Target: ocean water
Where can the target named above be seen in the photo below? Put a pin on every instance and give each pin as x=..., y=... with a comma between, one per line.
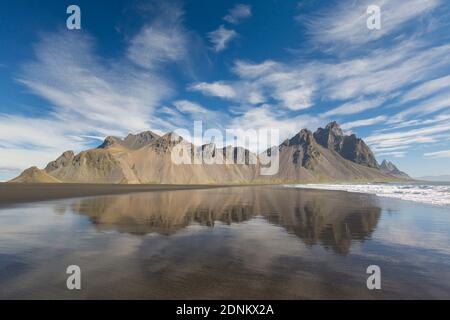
x=228, y=243
x=434, y=193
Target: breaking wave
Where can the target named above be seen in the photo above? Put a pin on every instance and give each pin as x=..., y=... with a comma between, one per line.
x=424, y=193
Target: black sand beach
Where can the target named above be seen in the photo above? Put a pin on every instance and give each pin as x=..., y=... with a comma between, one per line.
x=16, y=193
x=221, y=243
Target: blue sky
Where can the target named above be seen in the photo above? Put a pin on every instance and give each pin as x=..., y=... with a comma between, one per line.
x=160, y=65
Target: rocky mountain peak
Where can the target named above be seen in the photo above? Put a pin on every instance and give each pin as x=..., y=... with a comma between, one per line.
x=132, y=141
x=331, y=137
x=334, y=127
x=305, y=136
x=167, y=142
x=137, y=141
x=387, y=165
x=63, y=161
x=390, y=168
x=350, y=147
x=110, y=141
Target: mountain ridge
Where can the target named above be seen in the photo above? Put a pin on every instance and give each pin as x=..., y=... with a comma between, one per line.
x=146, y=158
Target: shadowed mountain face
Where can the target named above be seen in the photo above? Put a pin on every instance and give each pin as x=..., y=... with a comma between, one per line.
x=324, y=156
x=349, y=147
x=334, y=224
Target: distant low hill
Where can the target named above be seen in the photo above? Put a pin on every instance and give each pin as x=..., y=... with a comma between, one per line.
x=324, y=156
x=443, y=178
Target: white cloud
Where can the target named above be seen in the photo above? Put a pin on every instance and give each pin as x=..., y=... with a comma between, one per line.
x=267, y=80
x=295, y=99
x=363, y=122
x=266, y=116
x=238, y=13
x=347, y=24
x=221, y=37
x=378, y=150
x=153, y=46
x=355, y=107
x=251, y=71
x=395, y=154
x=426, y=89
x=163, y=40
x=215, y=89
x=424, y=135
x=84, y=90
x=434, y=104
x=185, y=106
x=438, y=154
x=384, y=71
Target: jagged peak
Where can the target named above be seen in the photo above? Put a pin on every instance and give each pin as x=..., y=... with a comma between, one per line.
x=61, y=161
x=131, y=141
x=333, y=125
x=147, y=133
x=388, y=165
x=139, y=140
x=304, y=136
x=109, y=141
x=68, y=154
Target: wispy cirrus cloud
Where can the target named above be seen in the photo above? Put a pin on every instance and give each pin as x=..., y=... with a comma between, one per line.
x=425, y=135
x=238, y=13
x=429, y=106
x=395, y=154
x=355, y=107
x=427, y=89
x=358, y=84
x=221, y=37
x=438, y=154
x=363, y=122
x=215, y=89
x=186, y=106
x=345, y=23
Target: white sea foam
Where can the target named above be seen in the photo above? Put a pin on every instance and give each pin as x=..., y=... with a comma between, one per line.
x=424, y=193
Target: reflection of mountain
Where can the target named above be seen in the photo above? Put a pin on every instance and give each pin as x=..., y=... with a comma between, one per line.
x=162, y=212
x=330, y=219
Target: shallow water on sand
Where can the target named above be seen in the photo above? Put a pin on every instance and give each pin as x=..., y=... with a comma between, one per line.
x=237, y=243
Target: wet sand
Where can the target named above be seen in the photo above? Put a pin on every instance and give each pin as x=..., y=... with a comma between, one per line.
x=229, y=243
x=21, y=193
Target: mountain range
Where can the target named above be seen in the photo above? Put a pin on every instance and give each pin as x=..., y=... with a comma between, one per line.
x=145, y=158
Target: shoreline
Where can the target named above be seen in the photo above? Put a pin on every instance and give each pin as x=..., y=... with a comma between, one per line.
x=413, y=193
x=12, y=193
x=18, y=193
